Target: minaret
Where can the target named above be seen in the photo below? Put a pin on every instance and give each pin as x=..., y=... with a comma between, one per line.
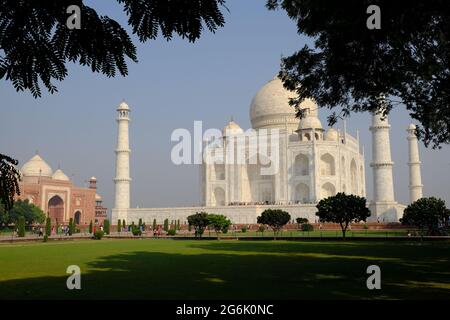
x=415, y=179
x=384, y=208
x=122, y=179
x=381, y=160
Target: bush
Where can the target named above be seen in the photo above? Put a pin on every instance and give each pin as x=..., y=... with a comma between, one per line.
x=244, y=229
x=91, y=226
x=45, y=238
x=172, y=232
x=71, y=226
x=106, y=226
x=48, y=226
x=166, y=225
x=365, y=226
x=98, y=235
x=136, y=232
x=21, y=227
x=261, y=228
x=307, y=227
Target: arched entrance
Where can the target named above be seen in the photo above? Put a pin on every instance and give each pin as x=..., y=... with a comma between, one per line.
x=56, y=209
x=77, y=217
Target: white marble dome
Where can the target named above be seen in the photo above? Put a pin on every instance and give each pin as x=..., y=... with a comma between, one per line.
x=60, y=175
x=36, y=167
x=310, y=122
x=331, y=135
x=270, y=107
x=232, y=128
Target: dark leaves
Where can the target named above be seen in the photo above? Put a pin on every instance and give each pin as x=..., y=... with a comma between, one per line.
x=9, y=185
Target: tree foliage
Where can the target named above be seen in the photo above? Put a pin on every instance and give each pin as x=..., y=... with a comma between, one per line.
x=274, y=218
x=428, y=214
x=9, y=181
x=199, y=221
x=219, y=223
x=352, y=68
x=37, y=45
x=22, y=208
x=343, y=209
x=21, y=227
x=106, y=226
x=48, y=227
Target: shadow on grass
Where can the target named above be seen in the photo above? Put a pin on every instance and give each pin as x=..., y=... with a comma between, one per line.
x=272, y=270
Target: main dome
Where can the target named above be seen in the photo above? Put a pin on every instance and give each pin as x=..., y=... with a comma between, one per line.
x=270, y=107
x=36, y=167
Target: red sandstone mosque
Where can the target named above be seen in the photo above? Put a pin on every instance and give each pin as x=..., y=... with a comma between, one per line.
x=57, y=196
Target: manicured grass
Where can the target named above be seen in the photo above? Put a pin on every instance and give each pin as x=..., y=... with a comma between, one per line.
x=177, y=269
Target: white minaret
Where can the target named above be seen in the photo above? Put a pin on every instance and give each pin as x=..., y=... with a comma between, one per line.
x=383, y=185
x=415, y=179
x=383, y=208
x=122, y=179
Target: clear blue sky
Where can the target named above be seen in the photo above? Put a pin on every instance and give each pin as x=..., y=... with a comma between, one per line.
x=174, y=84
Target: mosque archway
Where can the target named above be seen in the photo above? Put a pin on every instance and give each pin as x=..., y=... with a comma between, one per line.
x=56, y=209
x=219, y=197
x=302, y=193
x=301, y=165
x=219, y=171
x=327, y=166
x=354, y=177
x=328, y=190
x=77, y=217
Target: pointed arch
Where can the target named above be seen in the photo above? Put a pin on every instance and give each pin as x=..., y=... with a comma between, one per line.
x=353, y=177
x=301, y=165
x=327, y=166
x=328, y=190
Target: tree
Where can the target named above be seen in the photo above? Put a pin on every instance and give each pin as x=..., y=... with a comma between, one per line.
x=36, y=45
x=343, y=209
x=140, y=223
x=301, y=221
x=106, y=226
x=119, y=225
x=91, y=227
x=427, y=214
x=71, y=227
x=178, y=225
x=21, y=227
x=219, y=223
x=199, y=221
x=166, y=225
x=123, y=224
x=274, y=218
x=22, y=208
x=48, y=227
x=9, y=177
x=351, y=68
x=154, y=225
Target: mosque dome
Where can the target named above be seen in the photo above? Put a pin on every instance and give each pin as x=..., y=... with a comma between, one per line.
x=123, y=106
x=36, y=167
x=232, y=128
x=331, y=135
x=310, y=122
x=60, y=175
x=98, y=197
x=270, y=107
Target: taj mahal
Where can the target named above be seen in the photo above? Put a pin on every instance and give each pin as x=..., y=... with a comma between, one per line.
x=312, y=163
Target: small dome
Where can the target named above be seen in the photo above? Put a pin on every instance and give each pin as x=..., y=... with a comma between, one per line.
x=412, y=126
x=331, y=135
x=232, y=128
x=60, y=175
x=123, y=106
x=92, y=178
x=270, y=107
x=310, y=122
x=98, y=197
x=36, y=167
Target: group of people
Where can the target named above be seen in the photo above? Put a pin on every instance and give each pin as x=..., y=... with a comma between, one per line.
x=266, y=203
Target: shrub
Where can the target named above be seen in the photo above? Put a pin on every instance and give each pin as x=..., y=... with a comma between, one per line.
x=106, y=226
x=166, y=225
x=119, y=225
x=123, y=224
x=98, y=235
x=91, y=226
x=71, y=226
x=244, y=229
x=45, y=238
x=154, y=225
x=307, y=227
x=136, y=232
x=172, y=232
x=21, y=227
x=48, y=226
x=365, y=226
x=261, y=228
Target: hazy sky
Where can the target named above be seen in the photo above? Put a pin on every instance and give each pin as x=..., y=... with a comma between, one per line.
x=174, y=84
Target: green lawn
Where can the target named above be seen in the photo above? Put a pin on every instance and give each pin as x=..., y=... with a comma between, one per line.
x=177, y=269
